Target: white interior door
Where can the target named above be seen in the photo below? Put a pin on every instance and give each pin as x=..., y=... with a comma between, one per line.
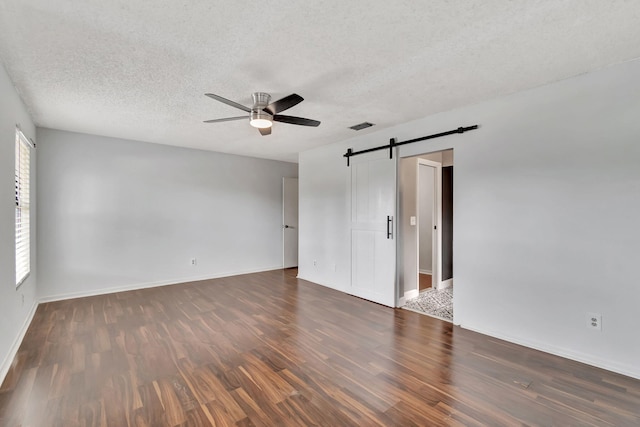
x=373, y=227
x=289, y=222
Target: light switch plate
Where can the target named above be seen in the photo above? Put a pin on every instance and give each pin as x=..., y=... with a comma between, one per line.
x=412, y=220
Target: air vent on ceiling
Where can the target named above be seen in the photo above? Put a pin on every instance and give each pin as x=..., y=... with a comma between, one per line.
x=361, y=126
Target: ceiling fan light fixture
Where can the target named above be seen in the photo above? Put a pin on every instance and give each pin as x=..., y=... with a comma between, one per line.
x=260, y=119
x=261, y=123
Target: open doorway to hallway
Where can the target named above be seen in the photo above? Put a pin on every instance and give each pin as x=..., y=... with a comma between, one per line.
x=426, y=233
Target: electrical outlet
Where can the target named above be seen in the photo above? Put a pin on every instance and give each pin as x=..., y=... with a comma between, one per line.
x=194, y=262
x=315, y=263
x=594, y=321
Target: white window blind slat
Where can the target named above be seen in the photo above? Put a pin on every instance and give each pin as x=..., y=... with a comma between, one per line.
x=23, y=202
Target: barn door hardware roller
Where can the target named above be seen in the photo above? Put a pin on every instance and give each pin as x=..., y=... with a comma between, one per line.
x=393, y=143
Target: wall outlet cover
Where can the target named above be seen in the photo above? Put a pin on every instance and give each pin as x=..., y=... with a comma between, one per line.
x=594, y=321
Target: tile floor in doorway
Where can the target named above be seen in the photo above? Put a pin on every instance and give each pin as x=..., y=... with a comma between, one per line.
x=433, y=302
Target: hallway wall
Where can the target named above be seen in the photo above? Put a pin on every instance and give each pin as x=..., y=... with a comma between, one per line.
x=543, y=168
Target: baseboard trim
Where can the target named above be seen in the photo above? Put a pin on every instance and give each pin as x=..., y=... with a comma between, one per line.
x=425, y=272
x=402, y=301
x=446, y=284
x=411, y=294
x=11, y=354
x=137, y=286
x=625, y=370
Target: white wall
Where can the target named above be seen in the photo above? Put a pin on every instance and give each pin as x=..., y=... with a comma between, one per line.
x=546, y=214
x=435, y=157
x=117, y=214
x=16, y=313
x=447, y=158
x=324, y=251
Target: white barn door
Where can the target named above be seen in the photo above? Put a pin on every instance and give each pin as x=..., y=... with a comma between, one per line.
x=373, y=227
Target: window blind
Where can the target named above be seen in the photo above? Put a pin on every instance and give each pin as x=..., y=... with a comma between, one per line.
x=23, y=202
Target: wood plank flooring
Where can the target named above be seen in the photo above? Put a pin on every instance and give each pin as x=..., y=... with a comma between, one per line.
x=424, y=281
x=267, y=349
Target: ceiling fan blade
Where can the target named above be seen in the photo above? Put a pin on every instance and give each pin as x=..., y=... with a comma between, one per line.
x=265, y=131
x=284, y=104
x=295, y=120
x=228, y=102
x=226, y=119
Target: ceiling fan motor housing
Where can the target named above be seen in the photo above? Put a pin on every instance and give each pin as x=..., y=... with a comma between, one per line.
x=260, y=101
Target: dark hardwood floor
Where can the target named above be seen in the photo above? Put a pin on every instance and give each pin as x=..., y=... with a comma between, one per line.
x=268, y=350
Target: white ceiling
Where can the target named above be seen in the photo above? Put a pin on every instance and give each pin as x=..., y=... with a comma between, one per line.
x=138, y=69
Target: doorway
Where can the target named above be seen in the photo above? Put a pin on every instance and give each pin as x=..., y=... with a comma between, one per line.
x=426, y=233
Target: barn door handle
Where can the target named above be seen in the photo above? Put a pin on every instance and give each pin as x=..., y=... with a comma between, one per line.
x=389, y=227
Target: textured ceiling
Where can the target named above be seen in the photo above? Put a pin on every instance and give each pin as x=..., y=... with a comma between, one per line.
x=138, y=69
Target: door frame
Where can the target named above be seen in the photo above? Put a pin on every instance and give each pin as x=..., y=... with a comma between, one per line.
x=436, y=224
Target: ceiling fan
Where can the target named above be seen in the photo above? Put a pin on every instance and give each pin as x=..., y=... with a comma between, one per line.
x=262, y=114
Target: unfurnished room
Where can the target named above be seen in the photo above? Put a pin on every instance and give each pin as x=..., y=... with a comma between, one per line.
x=328, y=213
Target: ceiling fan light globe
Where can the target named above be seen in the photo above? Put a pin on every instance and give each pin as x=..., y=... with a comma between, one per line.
x=261, y=123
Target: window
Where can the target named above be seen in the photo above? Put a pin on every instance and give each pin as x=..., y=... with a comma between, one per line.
x=23, y=202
